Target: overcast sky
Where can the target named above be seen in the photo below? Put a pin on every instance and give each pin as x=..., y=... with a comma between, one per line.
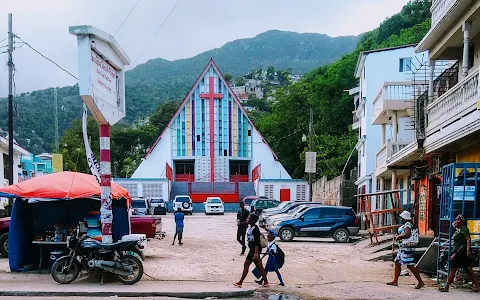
x=194, y=27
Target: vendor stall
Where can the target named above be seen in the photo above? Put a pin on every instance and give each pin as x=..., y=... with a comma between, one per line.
x=47, y=208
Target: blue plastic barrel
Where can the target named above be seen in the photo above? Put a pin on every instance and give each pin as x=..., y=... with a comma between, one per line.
x=54, y=256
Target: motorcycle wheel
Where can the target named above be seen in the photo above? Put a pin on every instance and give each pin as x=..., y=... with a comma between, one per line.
x=137, y=266
x=60, y=273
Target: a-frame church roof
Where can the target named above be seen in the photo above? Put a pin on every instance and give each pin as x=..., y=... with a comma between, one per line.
x=211, y=63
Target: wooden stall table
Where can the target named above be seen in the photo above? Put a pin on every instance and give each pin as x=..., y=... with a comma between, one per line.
x=41, y=244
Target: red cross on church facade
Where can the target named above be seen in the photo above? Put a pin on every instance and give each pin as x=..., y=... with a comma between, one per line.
x=211, y=96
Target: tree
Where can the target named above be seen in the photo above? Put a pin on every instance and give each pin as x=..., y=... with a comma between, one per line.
x=228, y=78
x=240, y=81
x=270, y=72
x=163, y=114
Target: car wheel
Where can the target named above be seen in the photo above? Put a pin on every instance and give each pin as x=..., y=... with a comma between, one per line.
x=286, y=234
x=341, y=235
x=185, y=205
x=4, y=244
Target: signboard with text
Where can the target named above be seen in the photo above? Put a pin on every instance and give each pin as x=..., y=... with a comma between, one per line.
x=464, y=192
x=101, y=64
x=57, y=163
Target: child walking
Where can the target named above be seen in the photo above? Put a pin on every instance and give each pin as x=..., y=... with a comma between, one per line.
x=179, y=217
x=276, y=258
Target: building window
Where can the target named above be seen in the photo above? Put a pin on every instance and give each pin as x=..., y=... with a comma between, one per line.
x=132, y=189
x=152, y=190
x=249, y=132
x=405, y=65
x=269, y=191
x=301, y=192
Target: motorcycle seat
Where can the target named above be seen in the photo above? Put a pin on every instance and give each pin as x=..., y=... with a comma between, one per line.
x=116, y=245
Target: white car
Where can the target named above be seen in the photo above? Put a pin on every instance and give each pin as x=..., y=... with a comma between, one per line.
x=214, y=205
x=184, y=202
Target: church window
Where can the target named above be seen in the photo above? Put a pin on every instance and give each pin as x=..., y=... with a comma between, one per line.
x=225, y=152
x=249, y=132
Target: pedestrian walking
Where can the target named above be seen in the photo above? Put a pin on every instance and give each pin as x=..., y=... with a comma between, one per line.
x=462, y=254
x=405, y=255
x=276, y=258
x=255, y=248
x=242, y=225
x=179, y=217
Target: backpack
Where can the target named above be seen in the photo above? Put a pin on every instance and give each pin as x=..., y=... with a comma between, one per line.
x=280, y=257
x=263, y=241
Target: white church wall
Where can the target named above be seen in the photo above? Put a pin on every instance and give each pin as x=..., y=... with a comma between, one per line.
x=271, y=188
x=153, y=166
x=271, y=168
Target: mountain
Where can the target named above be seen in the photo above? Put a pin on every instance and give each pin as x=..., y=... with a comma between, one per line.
x=157, y=80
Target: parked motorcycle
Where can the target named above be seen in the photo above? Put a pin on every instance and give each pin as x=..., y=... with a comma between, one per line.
x=120, y=258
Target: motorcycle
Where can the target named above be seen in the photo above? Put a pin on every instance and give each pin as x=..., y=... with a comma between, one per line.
x=120, y=258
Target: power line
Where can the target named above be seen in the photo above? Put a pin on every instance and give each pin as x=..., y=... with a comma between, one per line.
x=46, y=57
x=161, y=25
x=126, y=17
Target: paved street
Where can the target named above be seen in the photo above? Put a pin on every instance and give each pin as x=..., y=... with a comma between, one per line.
x=210, y=256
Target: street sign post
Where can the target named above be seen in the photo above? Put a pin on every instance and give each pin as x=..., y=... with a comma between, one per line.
x=101, y=64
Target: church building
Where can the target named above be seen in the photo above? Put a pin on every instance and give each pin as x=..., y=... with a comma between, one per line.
x=211, y=148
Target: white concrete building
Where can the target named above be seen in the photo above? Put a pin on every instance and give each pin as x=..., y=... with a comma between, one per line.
x=18, y=152
x=384, y=75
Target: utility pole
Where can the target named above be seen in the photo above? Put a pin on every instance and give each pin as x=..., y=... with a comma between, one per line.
x=310, y=175
x=55, y=114
x=10, y=101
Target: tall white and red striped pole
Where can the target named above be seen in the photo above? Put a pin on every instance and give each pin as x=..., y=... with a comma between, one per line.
x=106, y=215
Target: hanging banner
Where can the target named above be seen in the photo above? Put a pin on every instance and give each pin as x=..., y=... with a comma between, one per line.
x=256, y=173
x=310, y=162
x=169, y=172
x=57, y=163
x=93, y=164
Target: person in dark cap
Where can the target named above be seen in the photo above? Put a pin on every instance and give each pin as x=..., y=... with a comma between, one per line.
x=462, y=256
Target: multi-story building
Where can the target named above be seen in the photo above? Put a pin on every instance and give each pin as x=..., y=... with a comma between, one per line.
x=4, y=157
x=382, y=98
x=447, y=116
x=33, y=166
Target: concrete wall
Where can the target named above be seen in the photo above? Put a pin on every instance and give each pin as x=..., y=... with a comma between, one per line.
x=271, y=168
x=338, y=191
x=140, y=187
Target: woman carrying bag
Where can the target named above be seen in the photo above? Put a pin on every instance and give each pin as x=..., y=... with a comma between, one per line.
x=406, y=239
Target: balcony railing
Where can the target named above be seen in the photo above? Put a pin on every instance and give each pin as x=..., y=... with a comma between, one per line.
x=439, y=9
x=387, y=151
x=396, y=96
x=453, y=102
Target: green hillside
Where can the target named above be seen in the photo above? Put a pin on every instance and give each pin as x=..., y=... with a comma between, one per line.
x=157, y=80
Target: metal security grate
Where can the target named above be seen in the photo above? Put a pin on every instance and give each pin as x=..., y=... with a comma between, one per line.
x=269, y=191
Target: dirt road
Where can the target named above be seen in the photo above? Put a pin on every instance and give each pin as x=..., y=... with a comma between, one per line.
x=316, y=268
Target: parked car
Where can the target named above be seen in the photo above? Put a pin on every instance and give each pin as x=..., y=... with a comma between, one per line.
x=141, y=207
x=214, y=205
x=247, y=201
x=283, y=208
x=338, y=222
x=4, y=226
x=159, y=206
x=259, y=205
x=184, y=202
x=269, y=224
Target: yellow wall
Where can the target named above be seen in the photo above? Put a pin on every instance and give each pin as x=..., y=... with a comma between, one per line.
x=469, y=155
